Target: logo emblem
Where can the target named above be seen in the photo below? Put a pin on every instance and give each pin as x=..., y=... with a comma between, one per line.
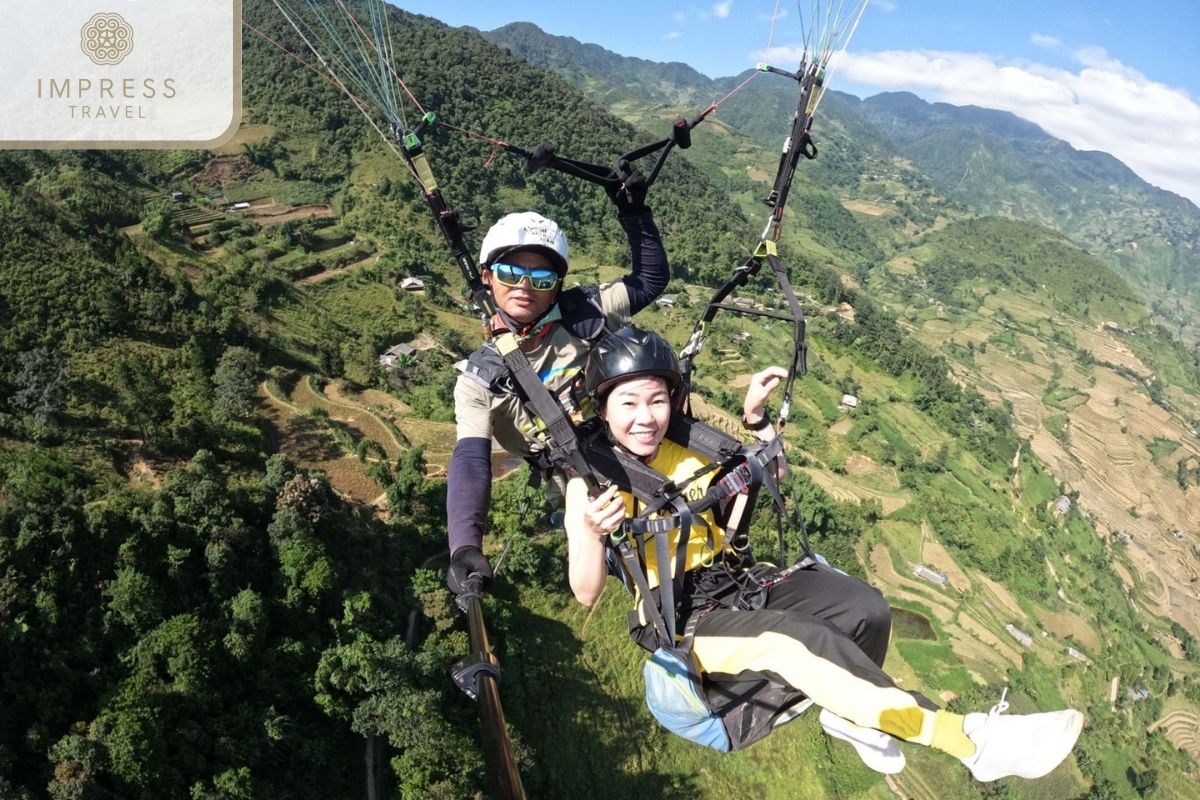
x=106, y=39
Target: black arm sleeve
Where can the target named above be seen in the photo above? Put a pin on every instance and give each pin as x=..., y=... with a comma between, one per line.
x=651, y=272
x=468, y=492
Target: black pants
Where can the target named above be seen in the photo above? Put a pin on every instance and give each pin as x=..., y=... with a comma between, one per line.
x=821, y=633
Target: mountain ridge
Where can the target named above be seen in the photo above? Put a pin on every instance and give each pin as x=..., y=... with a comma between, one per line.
x=1150, y=234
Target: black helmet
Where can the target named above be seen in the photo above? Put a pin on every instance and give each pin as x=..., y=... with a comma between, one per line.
x=629, y=353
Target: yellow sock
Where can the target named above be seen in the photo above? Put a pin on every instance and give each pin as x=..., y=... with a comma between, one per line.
x=948, y=735
x=905, y=723
x=938, y=729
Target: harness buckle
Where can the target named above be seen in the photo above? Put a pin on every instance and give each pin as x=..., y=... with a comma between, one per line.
x=668, y=489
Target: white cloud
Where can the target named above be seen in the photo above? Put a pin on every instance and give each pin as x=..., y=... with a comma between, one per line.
x=1103, y=104
x=679, y=16
x=1043, y=40
x=721, y=10
x=672, y=35
x=886, y=6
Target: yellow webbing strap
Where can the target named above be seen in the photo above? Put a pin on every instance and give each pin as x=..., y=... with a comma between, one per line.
x=817, y=90
x=506, y=343
x=424, y=173
x=766, y=247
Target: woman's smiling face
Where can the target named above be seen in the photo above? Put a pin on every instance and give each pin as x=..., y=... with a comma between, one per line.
x=637, y=412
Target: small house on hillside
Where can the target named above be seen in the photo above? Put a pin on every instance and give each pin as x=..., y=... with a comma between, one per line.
x=1075, y=654
x=849, y=401
x=411, y=284
x=1018, y=634
x=239, y=206
x=397, y=355
x=665, y=302
x=1062, y=505
x=931, y=575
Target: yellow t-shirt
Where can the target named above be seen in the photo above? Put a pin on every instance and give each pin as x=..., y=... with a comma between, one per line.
x=679, y=463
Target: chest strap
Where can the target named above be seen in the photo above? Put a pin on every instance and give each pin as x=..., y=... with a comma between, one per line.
x=562, y=450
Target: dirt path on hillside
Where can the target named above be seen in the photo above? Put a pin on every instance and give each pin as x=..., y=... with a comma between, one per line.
x=325, y=275
x=275, y=214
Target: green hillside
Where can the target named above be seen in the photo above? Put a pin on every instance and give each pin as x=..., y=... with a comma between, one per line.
x=958, y=262
x=760, y=111
x=996, y=163
x=582, y=64
x=988, y=161
x=221, y=536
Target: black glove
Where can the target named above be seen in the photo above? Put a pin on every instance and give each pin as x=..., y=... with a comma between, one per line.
x=629, y=194
x=465, y=562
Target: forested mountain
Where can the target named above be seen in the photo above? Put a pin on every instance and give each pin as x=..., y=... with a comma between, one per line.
x=221, y=536
x=760, y=111
x=996, y=163
x=581, y=63
x=991, y=162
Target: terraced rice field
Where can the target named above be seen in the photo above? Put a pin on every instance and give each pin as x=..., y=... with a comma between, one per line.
x=1182, y=729
x=841, y=427
x=717, y=417
x=1105, y=347
x=354, y=416
x=309, y=443
x=936, y=556
x=977, y=644
x=1104, y=454
x=865, y=207
x=846, y=491
x=911, y=786
x=1000, y=596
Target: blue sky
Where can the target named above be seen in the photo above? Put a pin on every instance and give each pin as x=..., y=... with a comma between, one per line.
x=1122, y=77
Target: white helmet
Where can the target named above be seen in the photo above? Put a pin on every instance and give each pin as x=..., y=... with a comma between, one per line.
x=525, y=231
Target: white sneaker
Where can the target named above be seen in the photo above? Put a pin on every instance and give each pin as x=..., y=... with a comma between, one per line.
x=876, y=749
x=1024, y=745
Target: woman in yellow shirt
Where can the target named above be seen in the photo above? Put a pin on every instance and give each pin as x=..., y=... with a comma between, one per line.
x=819, y=631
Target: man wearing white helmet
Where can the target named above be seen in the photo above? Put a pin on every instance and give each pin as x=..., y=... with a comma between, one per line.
x=524, y=259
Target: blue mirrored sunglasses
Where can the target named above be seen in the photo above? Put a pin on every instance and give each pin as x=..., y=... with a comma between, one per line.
x=542, y=279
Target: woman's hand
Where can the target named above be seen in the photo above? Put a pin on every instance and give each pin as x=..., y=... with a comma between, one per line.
x=604, y=512
x=588, y=520
x=760, y=388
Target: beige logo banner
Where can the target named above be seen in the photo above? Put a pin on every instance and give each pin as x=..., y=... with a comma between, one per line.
x=106, y=38
x=115, y=73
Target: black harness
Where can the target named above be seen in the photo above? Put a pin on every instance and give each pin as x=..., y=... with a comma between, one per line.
x=662, y=507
